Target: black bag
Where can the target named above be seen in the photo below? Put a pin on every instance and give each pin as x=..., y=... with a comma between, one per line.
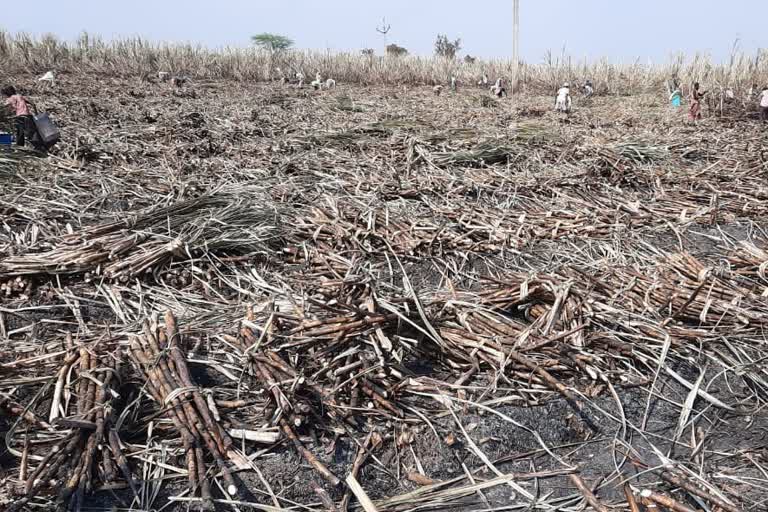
x=47, y=132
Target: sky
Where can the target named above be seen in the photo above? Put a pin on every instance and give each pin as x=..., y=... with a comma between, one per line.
x=650, y=30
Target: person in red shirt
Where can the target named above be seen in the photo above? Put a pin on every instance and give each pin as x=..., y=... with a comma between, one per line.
x=21, y=108
x=696, y=96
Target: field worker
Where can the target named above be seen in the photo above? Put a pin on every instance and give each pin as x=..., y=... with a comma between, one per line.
x=676, y=98
x=563, y=102
x=696, y=96
x=673, y=84
x=764, y=104
x=318, y=82
x=22, y=112
x=498, y=89
x=483, y=81
x=589, y=89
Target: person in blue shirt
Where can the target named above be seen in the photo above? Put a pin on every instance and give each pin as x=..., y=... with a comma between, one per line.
x=676, y=98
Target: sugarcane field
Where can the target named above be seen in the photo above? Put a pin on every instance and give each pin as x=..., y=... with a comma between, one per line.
x=317, y=282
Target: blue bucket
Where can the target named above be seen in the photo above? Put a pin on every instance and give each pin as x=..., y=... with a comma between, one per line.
x=6, y=139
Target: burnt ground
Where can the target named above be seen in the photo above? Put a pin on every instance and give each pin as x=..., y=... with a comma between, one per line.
x=130, y=145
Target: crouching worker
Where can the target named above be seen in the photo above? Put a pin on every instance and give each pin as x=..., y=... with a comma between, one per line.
x=563, y=100
x=21, y=109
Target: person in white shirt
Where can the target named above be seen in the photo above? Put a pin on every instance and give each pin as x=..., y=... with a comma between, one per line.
x=563, y=102
x=764, y=105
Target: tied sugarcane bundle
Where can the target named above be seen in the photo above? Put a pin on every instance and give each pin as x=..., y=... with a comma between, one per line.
x=90, y=454
x=157, y=356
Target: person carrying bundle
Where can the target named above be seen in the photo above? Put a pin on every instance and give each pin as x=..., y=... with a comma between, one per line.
x=22, y=111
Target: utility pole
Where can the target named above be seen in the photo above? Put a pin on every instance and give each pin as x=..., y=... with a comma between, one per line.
x=515, y=43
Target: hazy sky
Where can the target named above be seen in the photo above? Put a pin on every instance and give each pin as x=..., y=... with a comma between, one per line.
x=592, y=28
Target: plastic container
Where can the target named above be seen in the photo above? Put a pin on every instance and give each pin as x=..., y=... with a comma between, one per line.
x=49, y=134
x=6, y=139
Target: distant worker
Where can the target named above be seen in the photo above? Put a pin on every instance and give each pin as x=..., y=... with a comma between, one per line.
x=330, y=83
x=696, y=96
x=673, y=84
x=281, y=78
x=48, y=78
x=676, y=98
x=454, y=84
x=764, y=104
x=498, y=89
x=21, y=108
x=318, y=81
x=483, y=81
x=563, y=101
x=589, y=89
x=179, y=81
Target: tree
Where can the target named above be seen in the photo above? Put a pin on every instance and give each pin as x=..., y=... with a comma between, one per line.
x=384, y=30
x=272, y=42
x=394, y=50
x=368, y=52
x=446, y=48
x=468, y=59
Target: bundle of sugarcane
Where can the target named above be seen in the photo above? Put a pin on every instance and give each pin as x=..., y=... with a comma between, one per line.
x=548, y=311
x=374, y=230
x=302, y=361
x=486, y=153
x=16, y=286
x=641, y=152
x=685, y=289
x=534, y=130
x=157, y=356
x=219, y=222
x=749, y=260
x=90, y=454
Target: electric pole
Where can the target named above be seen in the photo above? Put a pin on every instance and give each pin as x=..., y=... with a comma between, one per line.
x=515, y=43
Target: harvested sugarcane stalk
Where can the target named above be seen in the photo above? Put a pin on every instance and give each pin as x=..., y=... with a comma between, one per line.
x=679, y=481
x=665, y=501
x=157, y=353
x=585, y=491
x=371, y=441
x=311, y=459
